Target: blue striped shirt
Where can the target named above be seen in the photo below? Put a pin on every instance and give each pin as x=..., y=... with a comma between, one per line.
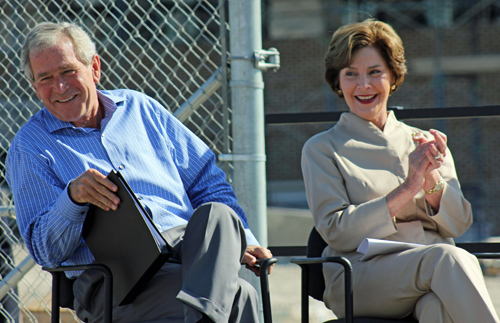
x=169, y=168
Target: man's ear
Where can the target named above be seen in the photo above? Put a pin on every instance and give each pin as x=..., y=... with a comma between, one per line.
x=36, y=90
x=96, y=68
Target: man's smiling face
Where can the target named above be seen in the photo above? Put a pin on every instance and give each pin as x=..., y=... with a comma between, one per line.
x=65, y=85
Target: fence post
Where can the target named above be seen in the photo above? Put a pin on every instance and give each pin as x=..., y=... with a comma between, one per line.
x=247, y=102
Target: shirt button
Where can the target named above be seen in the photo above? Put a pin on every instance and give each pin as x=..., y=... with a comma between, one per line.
x=121, y=167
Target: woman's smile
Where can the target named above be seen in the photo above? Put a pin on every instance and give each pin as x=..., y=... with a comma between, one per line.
x=366, y=85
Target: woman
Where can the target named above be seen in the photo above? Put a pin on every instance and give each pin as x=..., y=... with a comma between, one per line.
x=371, y=176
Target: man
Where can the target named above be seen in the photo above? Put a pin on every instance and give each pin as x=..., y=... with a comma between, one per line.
x=57, y=166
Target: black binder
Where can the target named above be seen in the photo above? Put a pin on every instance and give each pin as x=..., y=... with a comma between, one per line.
x=127, y=241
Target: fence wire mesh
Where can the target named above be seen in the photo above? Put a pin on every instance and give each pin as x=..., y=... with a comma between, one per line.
x=170, y=50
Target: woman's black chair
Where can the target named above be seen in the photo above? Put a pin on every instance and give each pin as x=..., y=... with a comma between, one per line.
x=313, y=283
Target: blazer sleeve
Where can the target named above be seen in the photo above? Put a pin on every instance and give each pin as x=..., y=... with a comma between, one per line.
x=342, y=224
x=454, y=216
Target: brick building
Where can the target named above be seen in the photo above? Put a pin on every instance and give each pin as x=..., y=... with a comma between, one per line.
x=453, y=58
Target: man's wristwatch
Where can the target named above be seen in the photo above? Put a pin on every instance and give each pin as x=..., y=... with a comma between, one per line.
x=437, y=187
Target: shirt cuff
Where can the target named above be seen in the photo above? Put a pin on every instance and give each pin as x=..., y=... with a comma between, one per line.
x=251, y=240
x=68, y=209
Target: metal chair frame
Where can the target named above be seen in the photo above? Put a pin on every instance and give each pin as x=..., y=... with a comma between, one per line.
x=58, y=274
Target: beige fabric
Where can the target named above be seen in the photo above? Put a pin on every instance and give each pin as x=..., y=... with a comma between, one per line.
x=348, y=170
x=440, y=282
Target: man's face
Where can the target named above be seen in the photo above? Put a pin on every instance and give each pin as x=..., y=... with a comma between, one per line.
x=65, y=85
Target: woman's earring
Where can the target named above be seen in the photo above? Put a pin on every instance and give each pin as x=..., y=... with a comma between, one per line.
x=393, y=87
x=339, y=92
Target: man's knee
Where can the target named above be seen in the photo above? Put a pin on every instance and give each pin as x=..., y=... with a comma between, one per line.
x=217, y=208
x=218, y=213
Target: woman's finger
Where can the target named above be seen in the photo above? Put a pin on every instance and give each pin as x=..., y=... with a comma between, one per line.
x=435, y=159
x=441, y=140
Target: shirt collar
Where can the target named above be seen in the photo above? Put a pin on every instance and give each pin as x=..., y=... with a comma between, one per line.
x=350, y=119
x=391, y=123
x=110, y=102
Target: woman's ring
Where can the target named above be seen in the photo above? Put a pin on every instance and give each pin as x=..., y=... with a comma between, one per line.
x=438, y=156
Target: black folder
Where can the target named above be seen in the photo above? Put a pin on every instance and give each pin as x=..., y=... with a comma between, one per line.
x=127, y=241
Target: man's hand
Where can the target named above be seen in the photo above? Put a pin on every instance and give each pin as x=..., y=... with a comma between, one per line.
x=252, y=254
x=93, y=187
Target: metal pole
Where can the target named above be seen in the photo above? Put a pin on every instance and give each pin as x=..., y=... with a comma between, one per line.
x=200, y=96
x=10, y=281
x=247, y=101
x=7, y=211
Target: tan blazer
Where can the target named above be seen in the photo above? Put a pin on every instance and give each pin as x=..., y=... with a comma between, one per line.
x=349, y=169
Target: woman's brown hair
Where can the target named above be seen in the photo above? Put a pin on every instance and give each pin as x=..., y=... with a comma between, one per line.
x=349, y=38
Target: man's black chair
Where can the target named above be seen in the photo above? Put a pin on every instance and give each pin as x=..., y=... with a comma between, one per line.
x=62, y=289
x=313, y=283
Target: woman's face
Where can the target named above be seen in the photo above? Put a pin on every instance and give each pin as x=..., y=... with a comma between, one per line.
x=366, y=84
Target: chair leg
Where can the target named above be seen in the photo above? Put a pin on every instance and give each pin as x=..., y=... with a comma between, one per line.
x=304, y=264
x=304, y=298
x=56, y=282
x=349, y=301
x=264, y=286
x=108, y=288
x=108, y=296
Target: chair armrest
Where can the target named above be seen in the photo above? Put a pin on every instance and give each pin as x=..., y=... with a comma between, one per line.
x=264, y=287
x=319, y=260
x=304, y=263
x=108, y=288
x=103, y=268
x=487, y=255
x=482, y=250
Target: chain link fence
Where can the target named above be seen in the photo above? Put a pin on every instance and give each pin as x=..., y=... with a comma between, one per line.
x=174, y=51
